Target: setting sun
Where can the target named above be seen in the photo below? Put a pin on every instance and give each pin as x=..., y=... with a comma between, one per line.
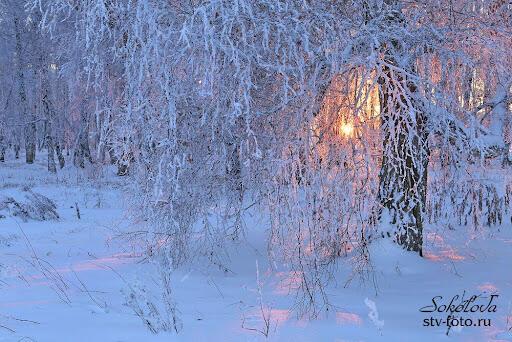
x=347, y=129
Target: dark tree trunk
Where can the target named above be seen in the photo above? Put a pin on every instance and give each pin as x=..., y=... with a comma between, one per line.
x=41, y=72
x=60, y=156
x=2, y=149
x=122, y=169
x=235, y=183
x=17, y=149
x=48, y=114
x=123, y=163
x=51, y=152
x=403, y=174
x=82, y=149
x=30, y=123
x=30, y=142
x=112, y=154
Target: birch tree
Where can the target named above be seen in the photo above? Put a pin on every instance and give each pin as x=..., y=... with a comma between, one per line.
x=347, y=122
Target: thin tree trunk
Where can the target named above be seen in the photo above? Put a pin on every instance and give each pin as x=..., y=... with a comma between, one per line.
x=82, y=149
x=2, y=149
x=123, y=163
x=30, y=124
x=48, y=113
x=111, y=153
x=51, y=152
x=234, y=174
x=60, y=156
x=30, y=141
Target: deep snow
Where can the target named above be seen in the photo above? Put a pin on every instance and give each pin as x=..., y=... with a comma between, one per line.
x=65, y=280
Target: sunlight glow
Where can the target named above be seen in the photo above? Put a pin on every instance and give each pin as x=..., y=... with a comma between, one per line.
x=347, y=129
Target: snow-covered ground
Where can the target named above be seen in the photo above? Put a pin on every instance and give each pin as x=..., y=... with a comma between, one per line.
x=67, y=279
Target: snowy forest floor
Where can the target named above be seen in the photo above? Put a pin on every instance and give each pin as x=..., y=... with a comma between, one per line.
x=66, y=280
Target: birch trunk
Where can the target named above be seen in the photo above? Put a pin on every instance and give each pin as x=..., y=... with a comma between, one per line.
x=403, y=174
x=30, y=122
